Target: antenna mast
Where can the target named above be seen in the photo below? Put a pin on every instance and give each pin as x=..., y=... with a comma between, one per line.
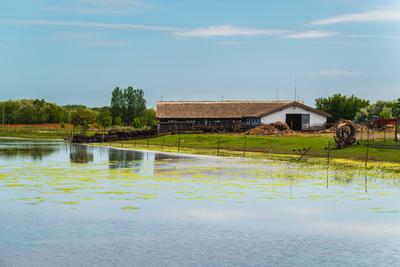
x=277, y=91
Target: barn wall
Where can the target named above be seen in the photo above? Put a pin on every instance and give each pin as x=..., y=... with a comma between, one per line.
x=316, y=120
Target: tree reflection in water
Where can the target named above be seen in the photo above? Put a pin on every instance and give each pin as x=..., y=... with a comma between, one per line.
x=80, y=154
x=11, y=150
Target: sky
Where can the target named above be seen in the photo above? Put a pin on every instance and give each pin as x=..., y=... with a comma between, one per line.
x=77, y=51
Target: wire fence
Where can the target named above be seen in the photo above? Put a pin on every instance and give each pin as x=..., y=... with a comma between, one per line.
x=369, y=149
x=384, y=134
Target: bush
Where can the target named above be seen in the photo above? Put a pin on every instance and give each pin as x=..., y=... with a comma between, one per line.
x=104, y=119
x=83, y=118
x=138, y=123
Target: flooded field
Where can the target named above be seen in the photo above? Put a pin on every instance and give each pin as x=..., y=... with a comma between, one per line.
x=63, y=205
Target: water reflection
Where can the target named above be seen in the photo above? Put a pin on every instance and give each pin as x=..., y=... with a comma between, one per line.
x=54, y=211
x=140, y=163
x=342, y=178
x=124, y=158
x=80, y=154
x=11, y=149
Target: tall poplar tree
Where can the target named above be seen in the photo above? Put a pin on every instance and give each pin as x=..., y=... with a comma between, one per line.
x=117, y=104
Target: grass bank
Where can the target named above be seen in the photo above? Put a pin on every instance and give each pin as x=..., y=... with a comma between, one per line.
x=35, y=131
x=270, y=147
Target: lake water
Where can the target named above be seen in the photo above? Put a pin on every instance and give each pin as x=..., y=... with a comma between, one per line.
x=63, y=205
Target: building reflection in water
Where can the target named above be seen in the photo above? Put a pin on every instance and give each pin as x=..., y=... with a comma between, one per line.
x=139, y=162
x=142, y=163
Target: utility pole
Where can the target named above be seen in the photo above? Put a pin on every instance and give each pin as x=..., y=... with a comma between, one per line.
x=277, y=91
x=3, y=113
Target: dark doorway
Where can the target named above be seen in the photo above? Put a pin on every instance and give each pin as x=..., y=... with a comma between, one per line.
x=294, y=121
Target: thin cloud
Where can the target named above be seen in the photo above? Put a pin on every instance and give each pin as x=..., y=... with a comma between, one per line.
x=338, y=72
x=86, y=24
x=94, y=6
x=378, y=15
x=310, y=34
x=374, y=36
x=226, y=30
x=90, y=40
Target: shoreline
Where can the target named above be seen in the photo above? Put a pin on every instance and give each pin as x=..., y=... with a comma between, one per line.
x=338, y=162
x=256, y=156
x=30, y=138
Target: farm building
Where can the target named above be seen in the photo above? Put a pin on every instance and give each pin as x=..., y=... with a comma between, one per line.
x=235, y=116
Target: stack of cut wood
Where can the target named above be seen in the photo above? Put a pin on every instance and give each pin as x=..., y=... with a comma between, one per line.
x=281, y=126
x=276, y=128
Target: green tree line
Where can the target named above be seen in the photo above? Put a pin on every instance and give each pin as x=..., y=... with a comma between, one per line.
x=29, y=111
x=128, y=108
x=357, y=109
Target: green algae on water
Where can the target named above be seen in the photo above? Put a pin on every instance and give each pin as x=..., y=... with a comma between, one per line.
x=130, y=208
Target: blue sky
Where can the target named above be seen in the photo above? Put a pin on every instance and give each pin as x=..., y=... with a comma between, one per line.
x=77, y=51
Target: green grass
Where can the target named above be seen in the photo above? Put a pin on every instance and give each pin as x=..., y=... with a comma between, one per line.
x=285, y=145
x=229, y=144
x=34, y=132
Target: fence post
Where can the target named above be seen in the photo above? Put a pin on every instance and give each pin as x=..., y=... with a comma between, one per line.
x=329, y=151
x=369, y=135
x=218, y=146
x=362, y=132
x=302, y=155
x=163, y=143
x=179, y=144
x=134, y=142
x=244, y=146
x=396, y=131
x=147, y=143
x=384, y=134
x=367, y=155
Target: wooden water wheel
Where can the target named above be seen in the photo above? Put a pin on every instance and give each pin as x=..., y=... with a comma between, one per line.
x=345, y=134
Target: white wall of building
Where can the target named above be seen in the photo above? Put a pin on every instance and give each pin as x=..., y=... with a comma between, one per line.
x=316, y=120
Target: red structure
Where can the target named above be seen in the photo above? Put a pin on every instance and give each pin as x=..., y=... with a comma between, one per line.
x=380, y=123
